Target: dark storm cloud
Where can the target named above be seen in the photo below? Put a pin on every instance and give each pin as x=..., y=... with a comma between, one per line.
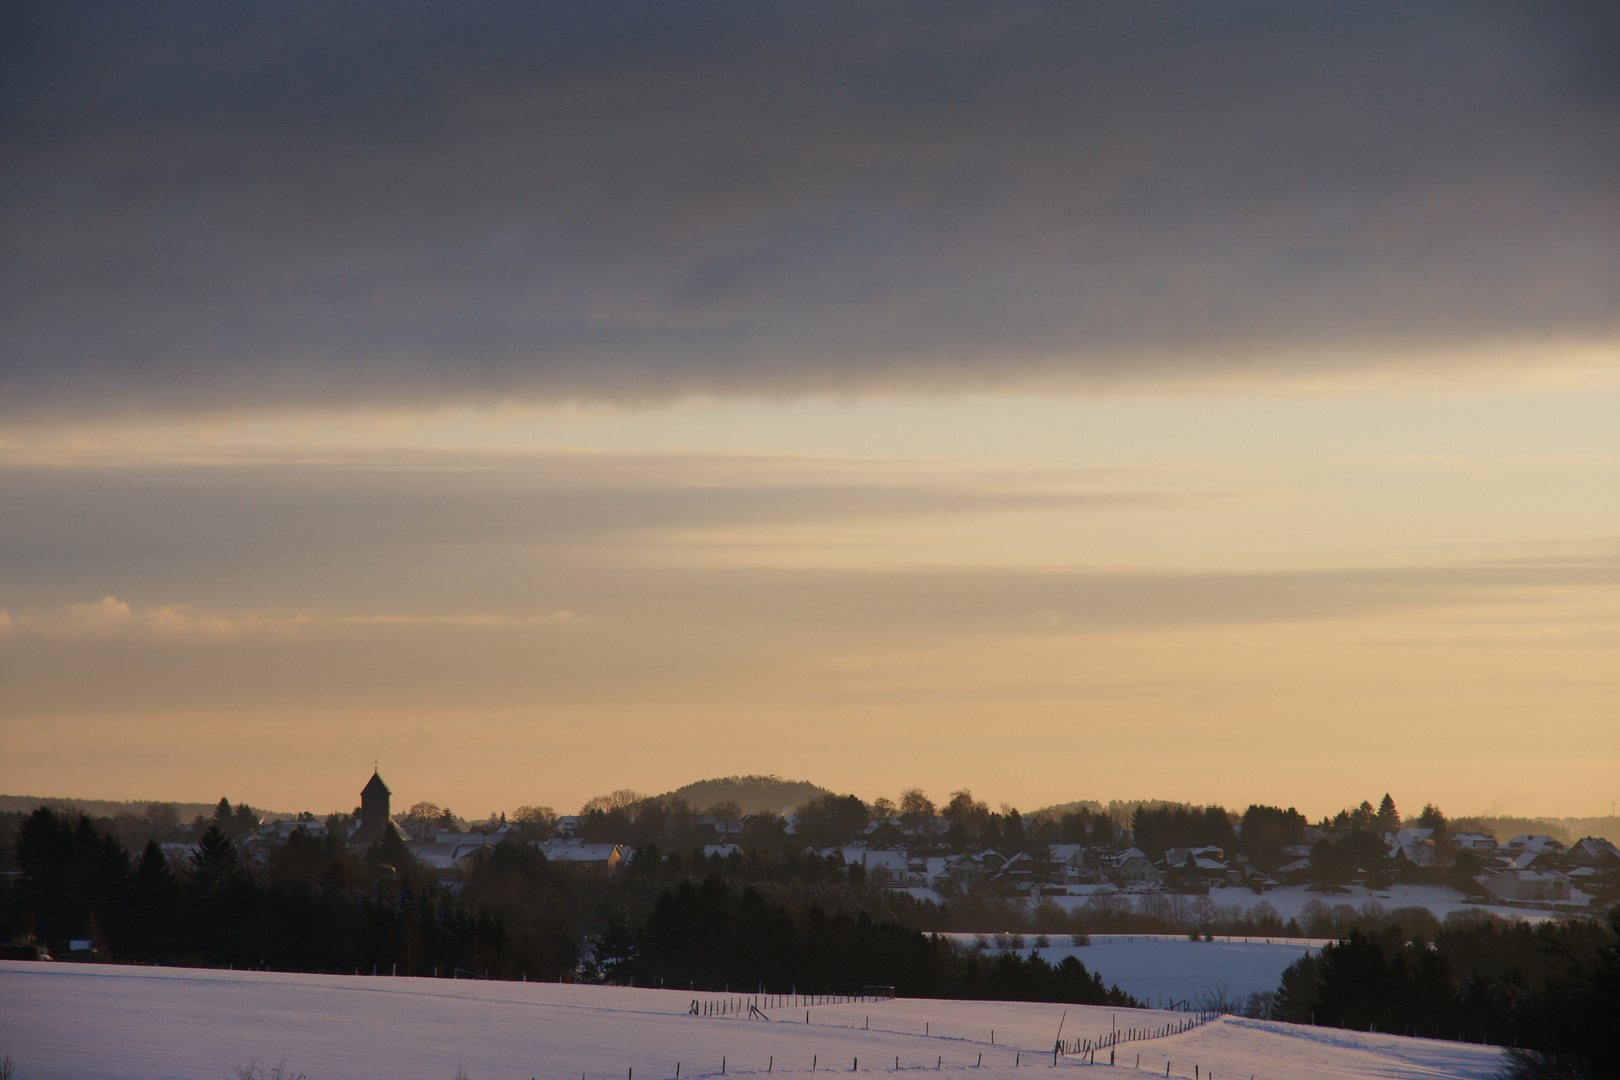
x=248, y=206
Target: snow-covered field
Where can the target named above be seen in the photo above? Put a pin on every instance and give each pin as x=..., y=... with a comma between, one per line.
x=72, y=1022
x=1158, y=969
x=1288, y=901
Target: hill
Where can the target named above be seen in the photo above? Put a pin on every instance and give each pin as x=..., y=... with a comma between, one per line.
x=144, y=1023
x=755, y=794
x=1564, y=830
x=107, y=808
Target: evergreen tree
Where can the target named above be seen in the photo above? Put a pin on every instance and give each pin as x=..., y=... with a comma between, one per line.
x=1389, y=819
x=243, y=820
x=1012, y=831
x=1432, y=818
x=71, y=876
x=154, y=906
x=216, y=863
x=1266, y=830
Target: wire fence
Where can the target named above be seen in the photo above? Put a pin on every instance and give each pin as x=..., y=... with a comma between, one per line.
x=1089, y=1047
x=754, y=1006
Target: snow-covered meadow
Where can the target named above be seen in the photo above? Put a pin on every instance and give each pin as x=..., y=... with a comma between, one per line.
x=1287, y=902
x=1160, y=969
x=73, y=1022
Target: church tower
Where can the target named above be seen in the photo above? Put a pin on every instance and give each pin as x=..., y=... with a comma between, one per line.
x=374, y=814
x=374, y=798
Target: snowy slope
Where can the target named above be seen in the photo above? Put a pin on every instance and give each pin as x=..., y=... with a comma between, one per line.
x=1289, y=901
x=71, y=1022
x=1158, y=969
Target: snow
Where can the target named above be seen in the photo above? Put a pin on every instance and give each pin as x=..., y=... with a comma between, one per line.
x=85, y=1022
x=1290, y=900
x=1158, y=968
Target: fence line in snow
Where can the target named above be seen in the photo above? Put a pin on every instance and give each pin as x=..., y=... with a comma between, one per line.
x=1118, y=1036
x=754, y=1005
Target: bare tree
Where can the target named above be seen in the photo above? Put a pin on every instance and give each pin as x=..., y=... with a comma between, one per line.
x=726, y=812
x=542, y=816
x=423, y=819
x=622, y=799
x=916, y=810
x=163, y=818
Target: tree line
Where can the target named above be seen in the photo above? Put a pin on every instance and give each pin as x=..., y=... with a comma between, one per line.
x=308, y=903
x=710, y=935
x=1549, y=993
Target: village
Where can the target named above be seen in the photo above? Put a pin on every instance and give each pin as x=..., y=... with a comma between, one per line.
x=924, y=856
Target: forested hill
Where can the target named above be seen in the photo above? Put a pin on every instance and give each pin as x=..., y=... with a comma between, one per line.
x=110, y=808
x=755, y=794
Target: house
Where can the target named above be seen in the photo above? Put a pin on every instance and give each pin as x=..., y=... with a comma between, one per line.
x=1413, y=848
x=1296, y=871
x=883, y=831
x=484, y=838
x=275, y=832
x=1527, y=886
x=1534, y=842
x=723, y=828
x=964, y=869
x=1594, y=851
x=935, y=870
x=1200, y=867
x=572, y=856
x=1073, y=864
x=1021, y=872
x=437, y=856
x=449, y=851
x=886, y=868
x=1479, y=843
x=1532, y=859
x=1421, y=854
x=1132, y=866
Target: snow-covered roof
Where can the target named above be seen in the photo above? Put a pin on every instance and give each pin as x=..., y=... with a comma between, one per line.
x=1531, y=875
x=894, y=861
x=1594, y=847
x=472, y=838
x=580, y=853
x=1534, y=842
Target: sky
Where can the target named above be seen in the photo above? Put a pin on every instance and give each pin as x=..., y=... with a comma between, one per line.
x=1180, y=401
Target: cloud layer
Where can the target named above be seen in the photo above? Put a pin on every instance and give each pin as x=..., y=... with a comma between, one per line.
x=221, y=207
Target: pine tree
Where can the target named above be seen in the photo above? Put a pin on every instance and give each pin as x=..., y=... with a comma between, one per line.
x=1389, y=819
x=216, y=862
x=156, y=900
